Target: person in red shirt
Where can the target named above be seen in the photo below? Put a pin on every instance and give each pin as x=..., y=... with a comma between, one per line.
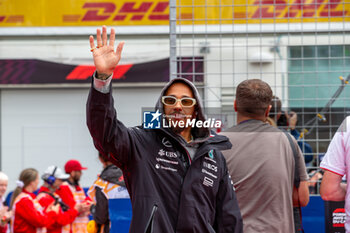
x=53, y=178
x=71, y=193
x=28, y=215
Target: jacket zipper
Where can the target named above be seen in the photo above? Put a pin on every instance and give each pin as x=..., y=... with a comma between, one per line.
x=182, y=181
x=149, y=226
x=181, y=185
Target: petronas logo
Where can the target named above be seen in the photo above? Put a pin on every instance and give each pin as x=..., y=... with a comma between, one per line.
x=211, y=154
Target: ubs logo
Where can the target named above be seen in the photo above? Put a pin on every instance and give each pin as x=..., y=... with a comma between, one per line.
x=168, y=154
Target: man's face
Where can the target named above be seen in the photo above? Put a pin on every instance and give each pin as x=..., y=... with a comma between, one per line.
x=3, y=187
x=178, y=112
x=76, y=175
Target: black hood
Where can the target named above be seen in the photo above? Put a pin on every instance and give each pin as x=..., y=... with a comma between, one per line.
x=199, y=134
x=113, y=174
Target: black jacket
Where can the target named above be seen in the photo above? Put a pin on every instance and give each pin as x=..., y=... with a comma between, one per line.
x=165, y=196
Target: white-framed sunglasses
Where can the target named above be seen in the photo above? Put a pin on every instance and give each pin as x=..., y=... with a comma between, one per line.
x=185, y=102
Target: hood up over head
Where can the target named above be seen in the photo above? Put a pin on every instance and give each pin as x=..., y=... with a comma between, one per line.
x=113, y=174
x=199, y=134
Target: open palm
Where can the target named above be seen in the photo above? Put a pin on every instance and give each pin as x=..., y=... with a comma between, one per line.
x=105, y=58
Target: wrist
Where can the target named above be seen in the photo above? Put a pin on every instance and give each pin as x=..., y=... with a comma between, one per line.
x=103, y=75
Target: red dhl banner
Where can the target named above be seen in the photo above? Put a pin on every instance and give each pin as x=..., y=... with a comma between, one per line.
x=156, y=12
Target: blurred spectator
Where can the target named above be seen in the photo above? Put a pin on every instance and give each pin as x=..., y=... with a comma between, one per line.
x=336, y=164
x=262, y=164
x=28, y=214
x=72, y=193
x=109, y=185
x=288, y=121
x=53, y=178
x=5, y=215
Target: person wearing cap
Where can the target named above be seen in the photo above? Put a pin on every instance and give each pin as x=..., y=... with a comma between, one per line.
x=175, y=173
x=53, y=178
x=72, y=193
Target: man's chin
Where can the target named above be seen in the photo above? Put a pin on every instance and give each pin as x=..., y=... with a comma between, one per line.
x=177, y=130
x=175, y=125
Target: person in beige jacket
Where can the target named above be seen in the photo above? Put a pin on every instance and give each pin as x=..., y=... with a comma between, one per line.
x=261, y=164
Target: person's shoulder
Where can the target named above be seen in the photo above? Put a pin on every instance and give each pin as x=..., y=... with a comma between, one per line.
x=141, y=131
x=64, y=188
x=227, y=132
x=141, y=134
x=219, y=141
x=346, y=124
x=344, y=127
x=251, y=126
x=23, y=199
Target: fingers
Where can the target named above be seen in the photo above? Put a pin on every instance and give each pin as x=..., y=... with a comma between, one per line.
x=112, y=38
x=104, y=35
x=92, y=43
x=120, y=49
x=98, y=38
x=102, y=40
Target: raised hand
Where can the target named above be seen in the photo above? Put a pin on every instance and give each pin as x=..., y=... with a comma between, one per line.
x=79, y=207
x=292, y=118
x=105, y=58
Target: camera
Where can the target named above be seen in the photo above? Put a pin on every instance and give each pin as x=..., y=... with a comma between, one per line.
x=283, y=121
x=63, y=205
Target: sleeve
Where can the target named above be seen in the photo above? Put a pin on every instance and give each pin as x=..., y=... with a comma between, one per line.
x=110, y=136
x=62, y=218
x=295, y=134
x=67, y=217
x=301, y=163
x=3, y=229
x=228, y=217
x=66, y=196
x=102, y=85
x=334, y=160
x=100, y=214
x=25, y=208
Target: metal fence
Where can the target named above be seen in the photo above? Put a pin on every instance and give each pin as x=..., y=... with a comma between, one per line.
x=300, y=47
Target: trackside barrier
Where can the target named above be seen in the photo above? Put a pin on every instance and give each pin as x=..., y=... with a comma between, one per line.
x=335, y=216
x=120, y=213
x=313, y=215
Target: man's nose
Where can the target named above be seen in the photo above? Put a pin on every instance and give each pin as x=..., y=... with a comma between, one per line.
x=178, y=105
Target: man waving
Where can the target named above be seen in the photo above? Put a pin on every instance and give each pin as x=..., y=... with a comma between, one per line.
x=176, y=175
